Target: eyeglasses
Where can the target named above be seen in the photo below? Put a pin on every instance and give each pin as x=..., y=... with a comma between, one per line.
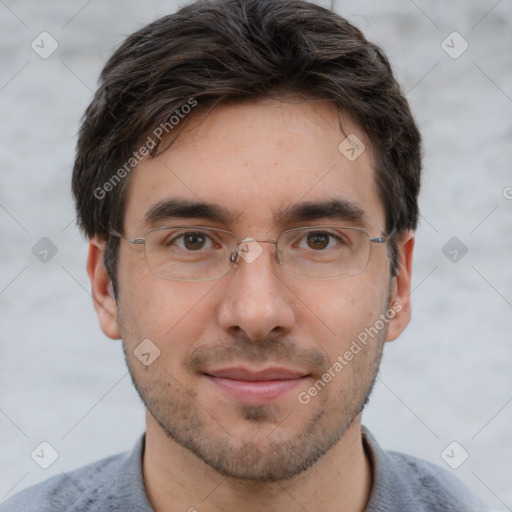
x=200, y=253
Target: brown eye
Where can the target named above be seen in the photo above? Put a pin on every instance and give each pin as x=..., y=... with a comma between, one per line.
x=194, y=241
x=189, y=241
x=318, y=240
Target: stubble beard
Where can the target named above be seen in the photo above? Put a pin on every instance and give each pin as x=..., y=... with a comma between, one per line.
x=275, y=456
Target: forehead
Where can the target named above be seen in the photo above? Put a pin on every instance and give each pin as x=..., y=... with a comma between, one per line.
x=256, y=161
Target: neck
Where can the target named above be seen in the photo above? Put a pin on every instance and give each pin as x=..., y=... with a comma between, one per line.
x=176, y=479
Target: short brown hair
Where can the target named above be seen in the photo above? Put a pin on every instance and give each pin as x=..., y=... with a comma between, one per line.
x=241, y=50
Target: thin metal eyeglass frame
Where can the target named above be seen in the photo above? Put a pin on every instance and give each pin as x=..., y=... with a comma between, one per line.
x=234, y=256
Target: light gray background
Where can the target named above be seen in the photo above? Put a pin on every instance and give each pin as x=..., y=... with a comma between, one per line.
x=448, y=378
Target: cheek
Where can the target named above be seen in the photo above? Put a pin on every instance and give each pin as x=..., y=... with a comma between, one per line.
x=346, y=303
x=343, y=311
x=170, y=313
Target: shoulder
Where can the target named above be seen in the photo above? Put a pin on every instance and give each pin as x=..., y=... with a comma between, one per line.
x=434, y=487
x=406, y=483
x=74, y=490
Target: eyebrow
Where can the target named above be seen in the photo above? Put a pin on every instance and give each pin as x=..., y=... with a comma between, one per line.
x=338, y=209
x=185, y=208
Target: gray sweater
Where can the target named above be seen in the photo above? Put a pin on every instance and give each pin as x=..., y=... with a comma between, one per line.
x=401, y=484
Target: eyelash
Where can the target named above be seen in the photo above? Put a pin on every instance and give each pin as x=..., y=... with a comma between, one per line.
x=183, y=235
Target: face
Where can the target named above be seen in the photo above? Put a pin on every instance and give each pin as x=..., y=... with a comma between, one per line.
x=239, y=356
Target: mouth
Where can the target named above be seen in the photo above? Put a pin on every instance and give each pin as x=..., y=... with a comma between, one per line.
x=255, y=387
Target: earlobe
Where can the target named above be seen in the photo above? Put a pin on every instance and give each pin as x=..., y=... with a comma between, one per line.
x=102, y=290
x=400, y=301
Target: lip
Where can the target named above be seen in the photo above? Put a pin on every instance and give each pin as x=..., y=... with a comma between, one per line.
x=255, y=387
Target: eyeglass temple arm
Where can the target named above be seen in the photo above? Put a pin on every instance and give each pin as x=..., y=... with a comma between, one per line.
x=129, y=240
x=383, y=239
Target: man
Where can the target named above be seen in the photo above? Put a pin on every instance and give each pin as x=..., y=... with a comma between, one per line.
x=248, y=175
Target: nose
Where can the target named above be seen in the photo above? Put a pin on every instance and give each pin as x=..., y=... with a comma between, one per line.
x=255, y=299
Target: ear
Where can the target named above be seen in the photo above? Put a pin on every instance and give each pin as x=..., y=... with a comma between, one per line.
x=401, y=287
x=102, y=291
